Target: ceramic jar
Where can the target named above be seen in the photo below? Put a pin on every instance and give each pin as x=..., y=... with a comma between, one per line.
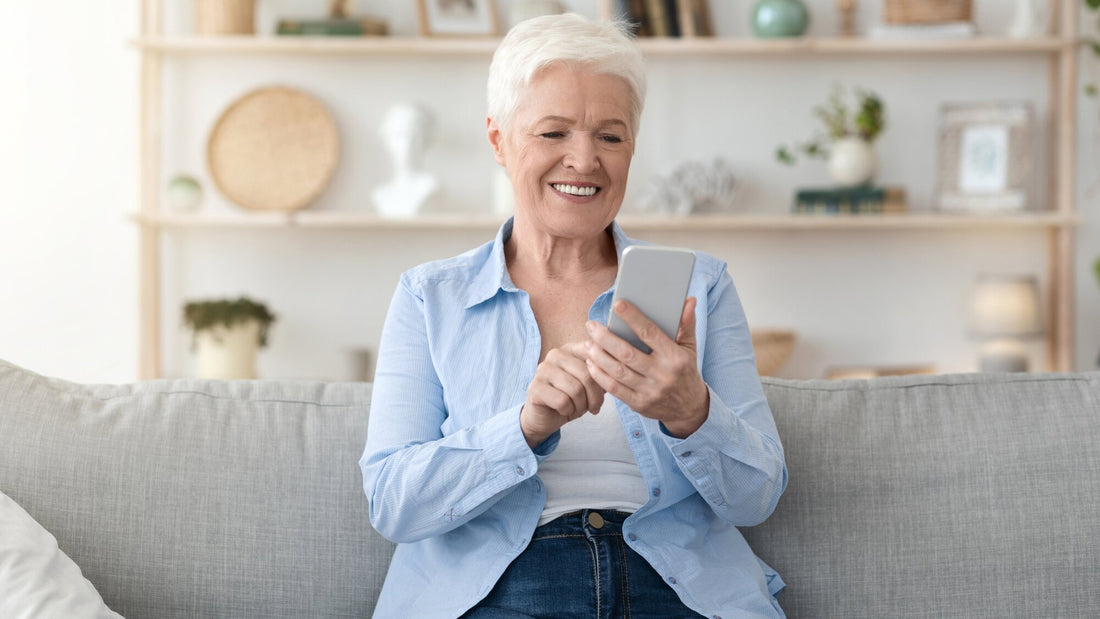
x=851, y=161
x=780, y=18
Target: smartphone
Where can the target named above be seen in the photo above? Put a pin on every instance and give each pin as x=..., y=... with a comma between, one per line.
x=655, y=279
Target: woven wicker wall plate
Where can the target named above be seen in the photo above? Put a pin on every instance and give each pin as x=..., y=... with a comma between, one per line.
x=274, y=149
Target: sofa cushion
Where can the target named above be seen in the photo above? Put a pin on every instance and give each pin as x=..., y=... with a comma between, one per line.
x=938, y=496
x=186, y=498
x=36, y=578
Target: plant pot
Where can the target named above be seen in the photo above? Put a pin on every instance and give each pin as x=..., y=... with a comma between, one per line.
x=779, y=18
x=228, y=353
x=852, y=161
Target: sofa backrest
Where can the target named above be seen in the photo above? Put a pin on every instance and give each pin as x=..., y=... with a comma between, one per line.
x=928, y=496
x=938, y=496
x=191, y=498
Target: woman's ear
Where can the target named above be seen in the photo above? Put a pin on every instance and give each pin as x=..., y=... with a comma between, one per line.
x=496, y=139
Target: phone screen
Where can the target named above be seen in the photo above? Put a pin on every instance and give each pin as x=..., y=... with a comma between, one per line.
x=655, y=279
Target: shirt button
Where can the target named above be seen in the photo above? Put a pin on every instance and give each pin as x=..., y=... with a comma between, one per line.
x=656, y=492
x=637, y=434
x=672, y=580
x=519, y=470
x=687, y=454
x=633, y=537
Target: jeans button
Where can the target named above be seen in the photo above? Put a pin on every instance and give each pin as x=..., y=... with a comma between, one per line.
x=596, y=520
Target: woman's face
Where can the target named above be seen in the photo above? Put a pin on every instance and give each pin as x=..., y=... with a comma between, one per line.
x=568, y=150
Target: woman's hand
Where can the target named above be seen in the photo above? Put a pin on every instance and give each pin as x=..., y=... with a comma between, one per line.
x=664, y=385
x=561, y=391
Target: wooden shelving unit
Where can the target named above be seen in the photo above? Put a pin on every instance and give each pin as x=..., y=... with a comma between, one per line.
x=654, y=46
x=719, y=223
x=1058, y=223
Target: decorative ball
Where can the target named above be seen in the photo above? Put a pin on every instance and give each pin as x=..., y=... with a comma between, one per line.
x=779, y=18
x=183, y=193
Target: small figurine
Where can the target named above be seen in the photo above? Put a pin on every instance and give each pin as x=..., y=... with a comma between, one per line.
x=847, y=10
x=407, y=130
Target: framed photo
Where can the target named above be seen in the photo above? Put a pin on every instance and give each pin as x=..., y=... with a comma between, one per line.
x=458, y=18
x=986, y=157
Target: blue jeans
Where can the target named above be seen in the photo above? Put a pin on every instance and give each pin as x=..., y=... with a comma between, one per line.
x=579, y=566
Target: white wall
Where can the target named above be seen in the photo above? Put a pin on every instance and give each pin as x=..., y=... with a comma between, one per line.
x=854, y=297
x=68, y=266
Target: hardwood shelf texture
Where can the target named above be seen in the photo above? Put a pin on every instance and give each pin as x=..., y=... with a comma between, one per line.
x=701, y=46
x=331, y=220
x=1058, y=223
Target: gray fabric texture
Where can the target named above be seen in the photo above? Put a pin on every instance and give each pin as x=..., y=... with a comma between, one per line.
x=932, y=496
x=190, y=498
x=938, y=496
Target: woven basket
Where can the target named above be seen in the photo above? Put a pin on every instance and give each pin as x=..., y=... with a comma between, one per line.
x=927, y=11
x=214, y=17
x=772, y=348
x=274, y=149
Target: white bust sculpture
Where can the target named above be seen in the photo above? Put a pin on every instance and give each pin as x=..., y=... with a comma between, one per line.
x=407, y=131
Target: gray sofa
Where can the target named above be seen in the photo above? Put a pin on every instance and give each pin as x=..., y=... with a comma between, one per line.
x=930, y=496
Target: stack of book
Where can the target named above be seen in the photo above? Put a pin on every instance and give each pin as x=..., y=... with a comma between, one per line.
x=339, y=26
x=665, y=18
x=861, y=199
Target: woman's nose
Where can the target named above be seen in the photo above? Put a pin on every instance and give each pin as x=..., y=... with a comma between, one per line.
x=582, y=154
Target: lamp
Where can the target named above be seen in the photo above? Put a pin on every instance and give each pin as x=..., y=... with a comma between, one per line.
x=1004, y=310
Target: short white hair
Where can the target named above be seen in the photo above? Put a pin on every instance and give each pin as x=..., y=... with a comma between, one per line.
x=534, y=44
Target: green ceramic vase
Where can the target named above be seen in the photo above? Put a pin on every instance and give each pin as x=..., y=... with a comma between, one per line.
x=779, y=18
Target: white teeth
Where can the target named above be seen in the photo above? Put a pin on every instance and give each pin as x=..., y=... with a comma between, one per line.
x=574, y=190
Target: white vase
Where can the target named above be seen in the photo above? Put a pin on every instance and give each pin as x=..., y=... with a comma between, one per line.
x=851, y=161
x=228, y=353
x=1029, y=20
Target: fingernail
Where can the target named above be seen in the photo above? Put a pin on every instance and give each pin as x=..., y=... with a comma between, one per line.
x=590, y=325
x=620, y=306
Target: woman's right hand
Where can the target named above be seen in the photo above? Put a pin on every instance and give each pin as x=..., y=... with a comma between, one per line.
x=561, y=391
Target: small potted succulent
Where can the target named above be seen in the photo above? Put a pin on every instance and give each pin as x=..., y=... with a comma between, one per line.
x=847, y=140
x=226, y=334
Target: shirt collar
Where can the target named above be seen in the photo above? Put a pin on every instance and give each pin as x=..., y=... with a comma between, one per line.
x=493, y=276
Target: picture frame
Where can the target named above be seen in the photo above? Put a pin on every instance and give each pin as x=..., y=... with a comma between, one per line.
x=472, y=18
x=986, y=158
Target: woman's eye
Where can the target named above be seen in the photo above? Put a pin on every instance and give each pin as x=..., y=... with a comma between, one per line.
x=553, y=134
x=611, y=139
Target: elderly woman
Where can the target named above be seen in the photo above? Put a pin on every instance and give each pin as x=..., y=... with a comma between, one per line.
x=528, y=462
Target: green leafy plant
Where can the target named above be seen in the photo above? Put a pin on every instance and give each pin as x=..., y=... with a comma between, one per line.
x=204, y=315
x=1094, y=44
x=865, y=120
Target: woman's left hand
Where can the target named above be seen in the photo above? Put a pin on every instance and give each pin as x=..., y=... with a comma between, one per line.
x=665, y=384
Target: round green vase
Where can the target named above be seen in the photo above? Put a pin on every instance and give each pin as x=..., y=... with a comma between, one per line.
x=779, y=18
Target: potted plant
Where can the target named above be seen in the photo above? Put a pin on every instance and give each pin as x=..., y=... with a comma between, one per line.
x=226, y=334
x=846, y=142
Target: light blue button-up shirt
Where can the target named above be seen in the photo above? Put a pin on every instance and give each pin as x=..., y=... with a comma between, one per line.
x=450, y=478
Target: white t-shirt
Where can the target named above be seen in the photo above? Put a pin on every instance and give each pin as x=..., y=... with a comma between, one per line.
x=592, y=467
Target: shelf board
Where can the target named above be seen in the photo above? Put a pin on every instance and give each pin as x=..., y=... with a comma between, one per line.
x=330, y=220
x=702, y=46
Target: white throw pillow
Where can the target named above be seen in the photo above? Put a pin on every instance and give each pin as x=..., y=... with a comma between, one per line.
x=36, y=579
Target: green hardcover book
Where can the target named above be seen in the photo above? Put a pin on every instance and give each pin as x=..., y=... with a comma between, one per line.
x=841, y=200
x=330, y=27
